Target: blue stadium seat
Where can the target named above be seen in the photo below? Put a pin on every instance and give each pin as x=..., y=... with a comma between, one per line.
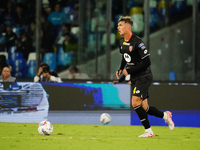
x=15, y=56
x=50, y=59
x=63, y=58
x=11, y=50
x=153, y=20
x=19, y=68
x=179, y=6
x=31, y=69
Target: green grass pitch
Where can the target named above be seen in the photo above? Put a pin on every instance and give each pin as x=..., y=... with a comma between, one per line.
x=20, y=136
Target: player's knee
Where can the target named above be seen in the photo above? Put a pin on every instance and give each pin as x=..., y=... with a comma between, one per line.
x=136, y=101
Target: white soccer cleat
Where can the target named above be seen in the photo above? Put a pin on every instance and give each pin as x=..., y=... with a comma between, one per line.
x=169, y=120
x=147, y=134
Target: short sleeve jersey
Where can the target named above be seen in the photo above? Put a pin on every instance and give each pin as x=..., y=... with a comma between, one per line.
x=133, y=50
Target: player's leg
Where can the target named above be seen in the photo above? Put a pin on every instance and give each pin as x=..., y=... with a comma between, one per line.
x=136, y=103
x=151, y=110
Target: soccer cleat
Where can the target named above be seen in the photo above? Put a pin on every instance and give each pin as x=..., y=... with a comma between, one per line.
x=169, y=120
x=147, y=134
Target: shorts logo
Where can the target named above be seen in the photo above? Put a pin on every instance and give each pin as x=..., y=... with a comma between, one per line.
x=127, y=57
x=134, y=90
x=140, y=45
x=145, y=51
x=138, y=91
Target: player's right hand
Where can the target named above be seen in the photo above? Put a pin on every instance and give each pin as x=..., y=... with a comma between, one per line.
x=118, y=72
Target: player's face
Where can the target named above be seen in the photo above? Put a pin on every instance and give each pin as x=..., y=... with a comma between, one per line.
x=122, y=28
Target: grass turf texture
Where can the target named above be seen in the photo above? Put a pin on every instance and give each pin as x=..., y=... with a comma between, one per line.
x=19, y=136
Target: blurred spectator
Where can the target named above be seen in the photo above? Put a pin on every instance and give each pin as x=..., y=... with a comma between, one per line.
x=2, y=39
x=66, y=28
x=47, y=35
x=21, y=18
x=3, y=62
x=46, y=75
x=57, y=17
x=25, y=44
x=6, y=77
x=74, y=13
x=75, y=73
x=70, y=43
x=8, y=13
x=11, y=37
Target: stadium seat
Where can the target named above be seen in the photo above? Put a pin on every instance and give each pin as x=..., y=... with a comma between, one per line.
x=153, y=19
x=15, y=56
x=131, y=3
x=5, y=54
x=138, y=23
x=135, y=10
x=179, y=6
x=75, y=30
x=50, y=59
x=31, y=69
x=11, y=50
x=63, y=58
x=161, y=9
x=95, y=21
x=19, y=68
x=31, y=56
x=112, y=38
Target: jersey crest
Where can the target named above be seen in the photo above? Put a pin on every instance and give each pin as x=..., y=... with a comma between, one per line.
x=130, y=48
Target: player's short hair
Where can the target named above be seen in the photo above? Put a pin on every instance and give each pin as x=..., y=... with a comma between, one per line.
x=126, y=19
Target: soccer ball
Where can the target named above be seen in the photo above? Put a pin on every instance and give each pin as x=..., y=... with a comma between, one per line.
x=45, y=128
x=105, y=118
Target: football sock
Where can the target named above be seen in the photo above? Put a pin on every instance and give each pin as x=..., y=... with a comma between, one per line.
x=154, y=112
x=142, y=114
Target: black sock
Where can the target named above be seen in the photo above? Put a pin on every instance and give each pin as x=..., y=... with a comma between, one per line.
x=142, y=114
x=154, y=112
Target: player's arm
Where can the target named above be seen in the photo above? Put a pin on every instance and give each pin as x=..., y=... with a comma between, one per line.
x=142, y=66
x=121, y=79
x=123, y=63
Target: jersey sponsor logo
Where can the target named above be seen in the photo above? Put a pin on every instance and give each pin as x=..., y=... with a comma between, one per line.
x=126, y=43
x=127, y=57
x=131, y=64
x=130, y=48
x=140, y=45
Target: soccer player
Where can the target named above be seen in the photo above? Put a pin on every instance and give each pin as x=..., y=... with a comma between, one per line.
x=135, y=64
